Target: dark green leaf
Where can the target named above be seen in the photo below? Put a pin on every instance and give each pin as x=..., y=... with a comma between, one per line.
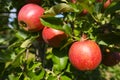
x=5, y=57
x=52, y=22
x=69, y=41
x=67, y=29
x=59, y=59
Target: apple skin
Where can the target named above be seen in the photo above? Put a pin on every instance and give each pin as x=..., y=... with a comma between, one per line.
x=29, y=17
x=111, y=58
x=53, y=37
x=85, y=55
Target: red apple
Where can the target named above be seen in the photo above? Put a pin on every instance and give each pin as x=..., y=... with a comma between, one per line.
x=85, y=55
x=73, y=1
x=106, y=4
x=33, y=1
x=53, y=37
x=29, y=17
x=84, y=12
x=111, y=59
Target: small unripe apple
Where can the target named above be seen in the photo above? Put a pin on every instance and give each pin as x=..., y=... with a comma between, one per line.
x=85, y=55
x=111, y=58
x=53, y=37
x=29, y=17
x=84, y=12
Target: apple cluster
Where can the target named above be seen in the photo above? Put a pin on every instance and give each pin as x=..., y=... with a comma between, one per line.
x=105, y=5
x=29, y=19
x=83, y=55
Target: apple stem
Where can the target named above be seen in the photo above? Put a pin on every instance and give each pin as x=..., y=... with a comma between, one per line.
x=22, y=24
x=84, y=37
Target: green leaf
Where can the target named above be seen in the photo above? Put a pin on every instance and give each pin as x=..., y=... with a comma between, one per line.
x=15, y=44
x=102, y=43
x=21, y=35
x=67, y=29
x=27, y=43
x=13, y=77
x=59, y=59
x=58, y=8
x=34, y=66
x=52, y=22
x=17, y=60
x=65, y=78
x=30, y=57
x=33, y=76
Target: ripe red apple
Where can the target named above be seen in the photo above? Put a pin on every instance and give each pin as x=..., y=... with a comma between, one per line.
x=33, y=1
x=111, y=59
x=53, y=37
x=29, y=17
x=85, y=55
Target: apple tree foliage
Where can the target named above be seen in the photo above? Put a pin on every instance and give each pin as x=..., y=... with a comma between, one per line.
x=25, y=56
